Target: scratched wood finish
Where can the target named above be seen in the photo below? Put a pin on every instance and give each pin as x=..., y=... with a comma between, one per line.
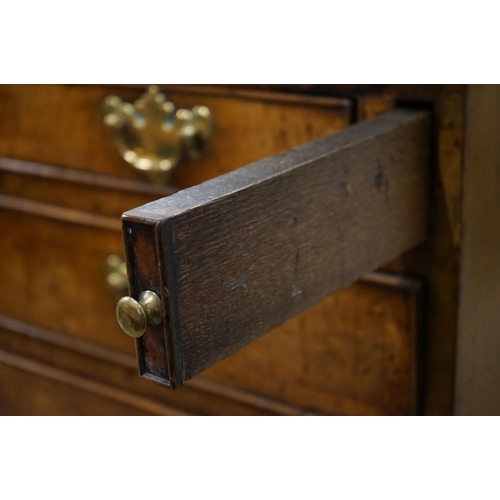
x=237, y=256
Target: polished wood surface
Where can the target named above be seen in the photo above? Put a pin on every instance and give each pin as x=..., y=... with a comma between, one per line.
x=62, y=125
x=74, y=189
x=355, y=353
x=66, y=364
x=320, y=362
x=54, y=274
x=237, y=256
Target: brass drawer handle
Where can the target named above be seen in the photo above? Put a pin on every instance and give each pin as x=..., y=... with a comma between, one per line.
x=153, y=136
x=116, y=274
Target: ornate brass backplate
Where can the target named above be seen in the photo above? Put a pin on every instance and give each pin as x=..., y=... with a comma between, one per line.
x=153, y=136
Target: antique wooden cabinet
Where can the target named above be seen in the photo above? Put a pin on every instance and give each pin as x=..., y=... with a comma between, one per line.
x=415, y=333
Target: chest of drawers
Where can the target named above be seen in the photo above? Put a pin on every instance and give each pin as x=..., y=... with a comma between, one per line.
x=387, y=344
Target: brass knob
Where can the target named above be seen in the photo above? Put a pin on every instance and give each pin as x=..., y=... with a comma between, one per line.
x=133, y=316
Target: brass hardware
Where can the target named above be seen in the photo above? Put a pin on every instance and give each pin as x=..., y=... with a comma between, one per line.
x=134, y=316
x=153, y=136
x=116, y=274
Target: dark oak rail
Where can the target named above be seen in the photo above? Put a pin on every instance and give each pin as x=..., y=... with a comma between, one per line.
x=241, y=254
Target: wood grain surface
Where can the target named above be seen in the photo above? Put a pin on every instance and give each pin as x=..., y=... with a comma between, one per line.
x=70, y=376
x=438, y=261
x=61, y=222
x=245, y=252
x=353, y=354
x=478, y=355
x=62, y=125
x=74, y=189
x=54, y=273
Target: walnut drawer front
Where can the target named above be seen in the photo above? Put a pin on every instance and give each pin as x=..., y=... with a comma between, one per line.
x=55, y=254
x=63, y=125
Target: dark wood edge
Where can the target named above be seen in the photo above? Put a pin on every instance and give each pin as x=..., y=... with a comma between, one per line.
x=154, y=343
x=265, y=170
x=174, y=354
x=339, y=103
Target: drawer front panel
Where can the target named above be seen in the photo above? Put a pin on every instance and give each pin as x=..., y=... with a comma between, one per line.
x=76, y=190
x=353, y=354
x=62, y=125
x=50, y=393
x=54, y=276
x=104, y=381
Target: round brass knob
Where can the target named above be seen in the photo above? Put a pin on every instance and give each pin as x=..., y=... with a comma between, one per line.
x=133, y=316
